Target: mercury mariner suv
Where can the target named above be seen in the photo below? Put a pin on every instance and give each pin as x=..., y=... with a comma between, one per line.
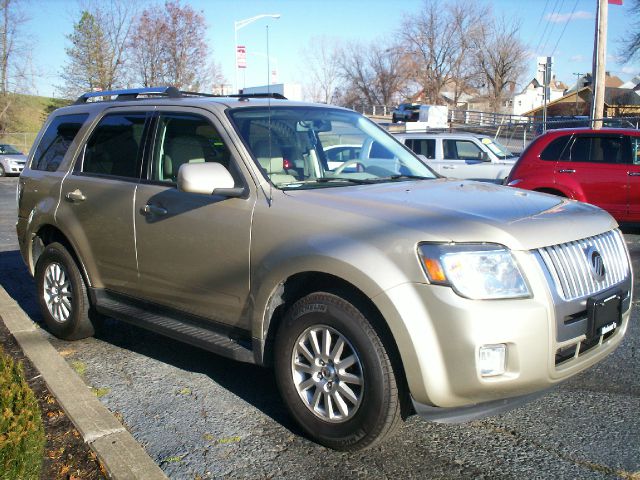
x=375, y=289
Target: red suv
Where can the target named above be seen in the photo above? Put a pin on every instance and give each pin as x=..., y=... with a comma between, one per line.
x=601, y=167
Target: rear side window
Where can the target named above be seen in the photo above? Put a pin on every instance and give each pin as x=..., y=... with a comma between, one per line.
x=598, y=149
x=114, y=146
x=554, y=150
x=56, y=140
x=423, y=146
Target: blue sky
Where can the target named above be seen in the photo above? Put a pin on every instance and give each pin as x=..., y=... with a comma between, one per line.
x=352, y=20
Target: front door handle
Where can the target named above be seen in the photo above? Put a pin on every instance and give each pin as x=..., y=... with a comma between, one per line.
x=75, y=196
x=633, y=174
x=567, y=170
x=154, y=210
x=448, y=167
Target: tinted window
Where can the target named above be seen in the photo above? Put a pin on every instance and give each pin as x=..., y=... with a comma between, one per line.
x=597, y=149
x=635, y=145
x=114, y=146
x=56, y=140
x=423, y=146
x=461, y=150
x=184, y=139
x=554, y=150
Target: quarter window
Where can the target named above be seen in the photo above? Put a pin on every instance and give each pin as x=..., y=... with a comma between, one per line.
x=554, y=150
x=114, y=146
x=56, y=141
x=184, y=139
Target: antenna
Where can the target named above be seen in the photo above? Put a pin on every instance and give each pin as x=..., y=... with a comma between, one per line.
x=269, y=108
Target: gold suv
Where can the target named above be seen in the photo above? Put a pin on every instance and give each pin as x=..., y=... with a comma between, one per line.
x=374, y=287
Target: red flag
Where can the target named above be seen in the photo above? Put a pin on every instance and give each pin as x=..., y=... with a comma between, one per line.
x=615, y=2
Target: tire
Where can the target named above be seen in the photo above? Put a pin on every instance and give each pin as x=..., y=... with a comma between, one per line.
x=370, y=407
x=62, y=294
x=394, y=119
x=2, y=171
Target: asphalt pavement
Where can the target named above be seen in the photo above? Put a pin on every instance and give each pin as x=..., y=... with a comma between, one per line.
x=199, y=415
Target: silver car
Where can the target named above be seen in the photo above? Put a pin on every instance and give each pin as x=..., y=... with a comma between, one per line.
x=462, y=155
x=12, y=160
x=375, y=289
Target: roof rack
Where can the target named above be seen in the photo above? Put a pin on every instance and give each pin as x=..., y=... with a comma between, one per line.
x=170, y=92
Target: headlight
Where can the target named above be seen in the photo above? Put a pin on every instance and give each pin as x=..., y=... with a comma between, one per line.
x=476, y=271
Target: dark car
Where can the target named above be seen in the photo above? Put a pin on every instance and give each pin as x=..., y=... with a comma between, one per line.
x=601, y=167
x=406, y=112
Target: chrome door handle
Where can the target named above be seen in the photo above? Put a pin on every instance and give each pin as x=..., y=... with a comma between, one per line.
x=75, y=196
x=149, y=210
x=448, y=167
x=567, y=170
x=633, y=174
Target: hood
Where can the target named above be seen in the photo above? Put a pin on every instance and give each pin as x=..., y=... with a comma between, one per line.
x=17, y=157
x=461, y=211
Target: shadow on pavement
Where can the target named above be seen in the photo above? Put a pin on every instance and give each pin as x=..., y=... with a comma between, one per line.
x=255, y=385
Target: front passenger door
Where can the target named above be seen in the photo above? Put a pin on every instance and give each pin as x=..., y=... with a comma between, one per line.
x=193, y=249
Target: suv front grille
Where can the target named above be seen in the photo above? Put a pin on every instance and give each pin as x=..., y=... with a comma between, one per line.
x=569, y=265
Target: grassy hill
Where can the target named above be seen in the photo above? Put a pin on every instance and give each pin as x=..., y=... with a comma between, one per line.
x=24, y=117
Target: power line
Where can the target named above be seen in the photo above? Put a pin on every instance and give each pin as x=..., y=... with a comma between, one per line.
x=553, y=27
x=546, y=26
x=565, y=27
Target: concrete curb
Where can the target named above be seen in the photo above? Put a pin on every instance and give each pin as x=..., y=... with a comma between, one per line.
x=121, y=455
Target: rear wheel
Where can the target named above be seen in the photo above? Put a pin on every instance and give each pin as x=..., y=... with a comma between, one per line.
x=62, y=294
x=335, y=375
x=2, y=171
x=394, y=119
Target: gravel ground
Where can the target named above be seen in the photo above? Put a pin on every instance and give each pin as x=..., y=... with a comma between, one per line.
x=202, y=416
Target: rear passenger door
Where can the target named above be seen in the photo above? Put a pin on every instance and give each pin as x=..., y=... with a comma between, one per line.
x=96, y=203
x=595, y=167
x=193, y=249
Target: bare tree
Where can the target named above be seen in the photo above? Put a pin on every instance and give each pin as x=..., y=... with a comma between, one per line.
x=631, y=43
x=374, y=74
x=98, y=44
x=438, y=43
x=168, y=47
x=501, y=57
x=321, y=69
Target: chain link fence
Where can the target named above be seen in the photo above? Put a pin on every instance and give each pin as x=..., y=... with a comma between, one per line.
x=21, y=140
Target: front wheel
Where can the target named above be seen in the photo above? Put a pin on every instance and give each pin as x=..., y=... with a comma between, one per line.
x=2, y=171
x=335, y=375
x=62, y=294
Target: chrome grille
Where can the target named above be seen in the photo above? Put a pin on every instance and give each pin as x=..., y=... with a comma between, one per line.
x=569, y=267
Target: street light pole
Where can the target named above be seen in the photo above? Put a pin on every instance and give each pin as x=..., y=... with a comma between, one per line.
x=237, y=26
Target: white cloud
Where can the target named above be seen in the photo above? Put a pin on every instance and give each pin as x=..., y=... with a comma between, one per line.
x=567, y=17
x=578, y=58
x=630, y=70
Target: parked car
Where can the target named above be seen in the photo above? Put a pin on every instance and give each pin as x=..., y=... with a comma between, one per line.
x=338, y=154
x=462, y=155
x=406, y=112
x=373, y=293
x=11, y=160
x=601, y=167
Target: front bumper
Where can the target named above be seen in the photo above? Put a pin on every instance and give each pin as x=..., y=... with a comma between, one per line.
x=13, y=168
x=439, y=335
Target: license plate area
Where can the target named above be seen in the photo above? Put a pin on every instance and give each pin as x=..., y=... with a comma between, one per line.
x=604, y=313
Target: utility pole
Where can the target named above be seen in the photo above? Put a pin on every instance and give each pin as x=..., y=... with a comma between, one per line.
x=578, y=75
x=544, y=67
x=599, y=59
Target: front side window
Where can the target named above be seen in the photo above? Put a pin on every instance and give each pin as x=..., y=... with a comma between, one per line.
x=293, y=147
x=461, y=150
x=114, y=147
x=56, y=141
x=182, y=139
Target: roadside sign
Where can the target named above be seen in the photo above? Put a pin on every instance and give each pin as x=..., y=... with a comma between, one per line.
x=241, y=56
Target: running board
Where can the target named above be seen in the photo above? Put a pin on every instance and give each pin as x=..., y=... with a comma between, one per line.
x=225, y=341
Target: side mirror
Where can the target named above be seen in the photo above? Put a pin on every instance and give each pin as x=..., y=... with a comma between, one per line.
x=485, y=157
x=208, y=178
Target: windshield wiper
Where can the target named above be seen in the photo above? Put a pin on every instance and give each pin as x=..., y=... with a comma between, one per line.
x=402, y=176
x=357, y=181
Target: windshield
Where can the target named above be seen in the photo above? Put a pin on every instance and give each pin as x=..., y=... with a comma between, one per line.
x=497, y=148
x=9, y=150
x=319, y=147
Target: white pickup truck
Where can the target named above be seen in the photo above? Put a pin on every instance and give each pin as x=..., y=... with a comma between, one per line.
x=462, y=155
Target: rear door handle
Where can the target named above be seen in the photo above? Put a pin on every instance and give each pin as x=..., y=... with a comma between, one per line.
x=634, y=174
x=75, y=196
x=567, y=170
x=155, y=210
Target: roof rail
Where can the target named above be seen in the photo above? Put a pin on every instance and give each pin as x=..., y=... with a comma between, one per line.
x=171, y=92
x=130, y=93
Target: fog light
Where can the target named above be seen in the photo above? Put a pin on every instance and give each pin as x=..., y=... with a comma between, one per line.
x=492, y=359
